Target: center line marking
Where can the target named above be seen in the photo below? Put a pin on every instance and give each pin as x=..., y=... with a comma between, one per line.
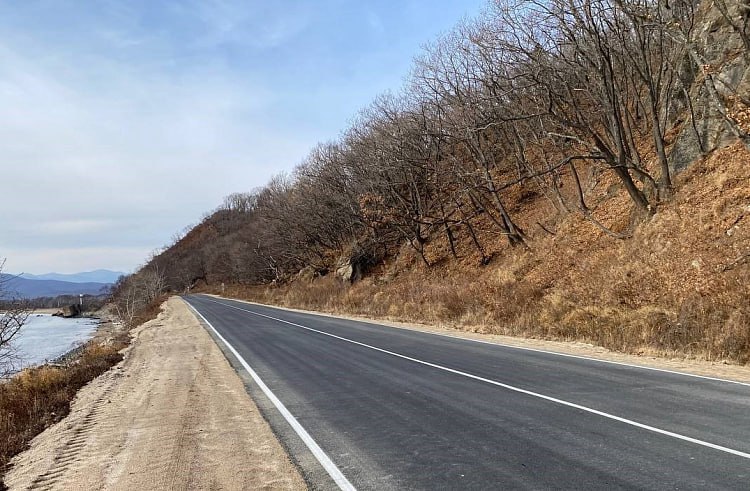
x=506, y=386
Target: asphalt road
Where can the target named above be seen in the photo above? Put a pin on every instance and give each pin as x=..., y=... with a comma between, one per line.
x=399, y=409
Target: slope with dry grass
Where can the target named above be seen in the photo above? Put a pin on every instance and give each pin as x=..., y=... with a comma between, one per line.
x=678, y=286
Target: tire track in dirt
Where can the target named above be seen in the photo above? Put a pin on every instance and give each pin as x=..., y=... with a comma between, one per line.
x=172, y=415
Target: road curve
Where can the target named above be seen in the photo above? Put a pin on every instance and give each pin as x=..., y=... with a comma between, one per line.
x=401, y=409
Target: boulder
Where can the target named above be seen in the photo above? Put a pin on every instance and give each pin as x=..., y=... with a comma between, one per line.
x=345, y=270
x=68, y=311
x=353, y=267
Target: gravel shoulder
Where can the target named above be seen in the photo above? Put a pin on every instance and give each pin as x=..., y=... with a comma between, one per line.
x=172, y=415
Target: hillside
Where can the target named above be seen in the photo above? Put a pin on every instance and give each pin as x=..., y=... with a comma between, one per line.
x=586, y=179
x=676, y=287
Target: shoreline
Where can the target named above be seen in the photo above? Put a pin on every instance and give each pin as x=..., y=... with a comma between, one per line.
x=45, y=311
x=40, y=395
x=106, y=329
x=199, y=430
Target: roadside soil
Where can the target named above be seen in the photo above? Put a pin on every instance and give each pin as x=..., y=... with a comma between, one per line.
x=704, y=368
x=172, y=415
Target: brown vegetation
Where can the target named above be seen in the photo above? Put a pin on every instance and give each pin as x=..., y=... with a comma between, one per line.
x=172, y=415
x=688, y=296
x=38, y=397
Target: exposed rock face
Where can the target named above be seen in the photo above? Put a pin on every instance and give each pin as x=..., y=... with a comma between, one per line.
x=345, y=270
x=359, y=261
x=309, y=273
x=352, y=267
x=717, y=76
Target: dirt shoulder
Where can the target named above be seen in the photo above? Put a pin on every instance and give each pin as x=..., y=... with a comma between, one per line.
x=704, y=368
x=172, y=415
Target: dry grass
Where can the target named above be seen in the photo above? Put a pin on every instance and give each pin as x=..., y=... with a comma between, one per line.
x=39, y=397
x=148, y=312
x=679, y=287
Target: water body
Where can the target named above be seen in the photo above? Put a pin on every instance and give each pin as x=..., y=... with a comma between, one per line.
x=45, y=337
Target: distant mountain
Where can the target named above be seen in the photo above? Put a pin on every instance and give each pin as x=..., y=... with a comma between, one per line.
x=19, y=287
x=98, y=276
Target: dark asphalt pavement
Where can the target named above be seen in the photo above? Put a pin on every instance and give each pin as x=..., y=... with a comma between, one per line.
x=401, y=409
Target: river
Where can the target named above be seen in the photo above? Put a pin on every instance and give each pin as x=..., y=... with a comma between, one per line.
x=45, y=337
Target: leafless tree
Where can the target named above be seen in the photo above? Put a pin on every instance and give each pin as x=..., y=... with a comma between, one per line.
x=13, y=315
x=239, y=202
x=531, y=97
x=131, y=294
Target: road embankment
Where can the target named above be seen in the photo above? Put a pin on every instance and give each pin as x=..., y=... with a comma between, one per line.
x=173, y=414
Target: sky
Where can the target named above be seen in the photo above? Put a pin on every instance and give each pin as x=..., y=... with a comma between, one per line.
x=124, y=122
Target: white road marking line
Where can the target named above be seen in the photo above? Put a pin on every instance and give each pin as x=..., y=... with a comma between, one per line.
x=335, y=473
x=502, y=345
x=511, y=388
x=588, y=358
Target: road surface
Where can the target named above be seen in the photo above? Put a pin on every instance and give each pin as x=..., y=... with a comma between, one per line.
x=364, y=406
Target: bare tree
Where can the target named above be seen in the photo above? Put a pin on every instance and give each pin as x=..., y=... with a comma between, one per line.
x=450, y=77
x=531, y=97
x=13, y=315
x=131, y=294
x=240, y=202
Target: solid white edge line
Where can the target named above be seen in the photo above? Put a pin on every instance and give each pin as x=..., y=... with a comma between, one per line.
x=512, y=388
x=503, y=345
x=335, y=473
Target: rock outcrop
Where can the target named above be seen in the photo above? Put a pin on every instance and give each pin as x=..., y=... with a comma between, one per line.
x=68, y=311
x=716, y=77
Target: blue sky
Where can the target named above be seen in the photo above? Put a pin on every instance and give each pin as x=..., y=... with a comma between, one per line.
x=123, y=122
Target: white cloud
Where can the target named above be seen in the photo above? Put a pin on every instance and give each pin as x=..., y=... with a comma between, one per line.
x=92, y=146
x=260, y=25
x=74, y=260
